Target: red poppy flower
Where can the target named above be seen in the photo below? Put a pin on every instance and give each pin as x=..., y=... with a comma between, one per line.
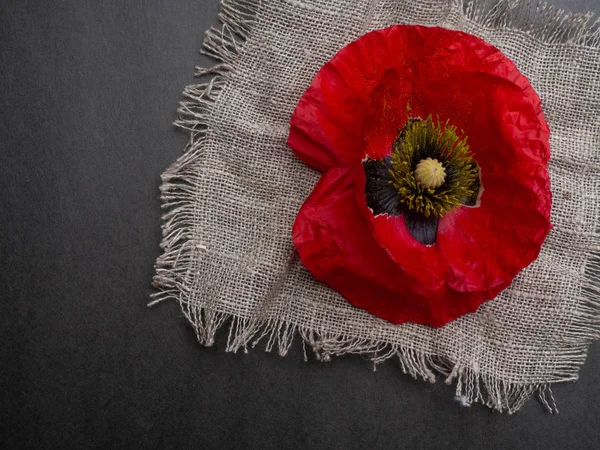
x=435, y=191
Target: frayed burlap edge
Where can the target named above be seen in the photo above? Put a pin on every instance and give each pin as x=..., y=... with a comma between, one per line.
x=176, y=266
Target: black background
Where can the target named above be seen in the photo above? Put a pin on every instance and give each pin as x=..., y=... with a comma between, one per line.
x=88, y=93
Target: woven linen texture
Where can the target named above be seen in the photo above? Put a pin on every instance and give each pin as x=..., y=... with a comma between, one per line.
x=231, y=199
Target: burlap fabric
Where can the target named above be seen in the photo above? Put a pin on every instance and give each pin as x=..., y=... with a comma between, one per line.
x=231, y=199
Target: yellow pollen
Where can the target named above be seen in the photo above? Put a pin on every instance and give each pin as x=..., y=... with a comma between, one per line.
x=430, y=173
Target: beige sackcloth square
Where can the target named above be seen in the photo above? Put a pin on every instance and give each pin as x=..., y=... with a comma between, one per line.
x=231, y=199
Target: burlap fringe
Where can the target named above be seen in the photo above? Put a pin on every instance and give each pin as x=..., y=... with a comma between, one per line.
x=175, y=268
x=535, y=18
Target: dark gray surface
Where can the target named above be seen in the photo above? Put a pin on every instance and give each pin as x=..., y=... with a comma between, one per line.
x=88, y=92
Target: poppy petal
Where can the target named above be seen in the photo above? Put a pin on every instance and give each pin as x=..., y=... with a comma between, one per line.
x=334, y=242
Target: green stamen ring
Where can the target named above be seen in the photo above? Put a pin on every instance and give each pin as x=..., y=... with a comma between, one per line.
x=432, y=169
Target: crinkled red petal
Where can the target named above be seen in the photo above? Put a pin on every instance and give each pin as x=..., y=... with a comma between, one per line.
x=334, y=242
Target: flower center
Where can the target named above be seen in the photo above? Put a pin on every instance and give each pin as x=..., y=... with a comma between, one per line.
x=432, y=169
x=430, y=173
